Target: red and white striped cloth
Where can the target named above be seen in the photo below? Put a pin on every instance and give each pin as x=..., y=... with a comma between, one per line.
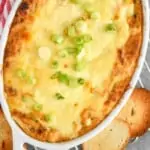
x=5, y=7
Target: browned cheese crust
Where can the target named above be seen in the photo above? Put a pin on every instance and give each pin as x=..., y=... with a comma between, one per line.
x=123, y=70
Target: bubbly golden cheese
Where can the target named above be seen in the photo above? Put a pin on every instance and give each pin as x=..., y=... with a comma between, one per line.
x=32, y=69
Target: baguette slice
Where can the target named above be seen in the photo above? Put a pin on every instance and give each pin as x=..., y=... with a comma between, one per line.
x=5, y=134
x=114, y=137
x=25, y=147
x=137, y=112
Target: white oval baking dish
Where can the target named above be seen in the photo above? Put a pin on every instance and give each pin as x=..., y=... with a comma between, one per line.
x=19, y=137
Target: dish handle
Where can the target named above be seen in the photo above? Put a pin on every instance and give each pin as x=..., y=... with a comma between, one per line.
x=17, y=141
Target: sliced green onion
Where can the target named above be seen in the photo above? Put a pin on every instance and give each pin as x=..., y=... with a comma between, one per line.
x=87, y=38
x=76, y=82
x=26, y=98
x=81, y=40
x=37, y=107
x=31, y=80
x=81, y=26
x=75, y=50
x=58, y=39
x=70, y=50
x=59, y=96
x=79, y=48
x=61, y=77
x=95, y=15
x=81, y=81
x=55, y=64
x=71, y=31
x=63, y=53
x=110, y=27
x=54, y=76
x=47, y=117
x=88, y=8
x=79, y=66
x=21, y=73
x=76, y=1
x=64, y=78
x=69, y=80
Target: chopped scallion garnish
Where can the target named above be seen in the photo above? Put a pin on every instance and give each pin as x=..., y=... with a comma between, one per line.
x=59, y=96
x=79, y=48
x=37, y=107
x=21, y=73
x=61, y=77
x=76, y=1
x=80, y=65
x=87, y=38
x=69, y=80
x=55, y=64
x=54, y=76
x=31, y=80
x=63, y=53
x=64, y=78
x=88, y=8
x=81, y=40
x=58, y=39
x=110, y=27
x=81, y=81
x=71, y=31
x=24, y=76
x=70, y=50
x=47, y=117
x=25, y=98
x=95, y=15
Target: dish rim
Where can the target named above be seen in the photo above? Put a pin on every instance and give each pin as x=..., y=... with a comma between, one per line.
x=20, y=137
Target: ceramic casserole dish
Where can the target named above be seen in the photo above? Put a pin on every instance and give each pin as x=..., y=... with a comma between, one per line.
x=20, y=137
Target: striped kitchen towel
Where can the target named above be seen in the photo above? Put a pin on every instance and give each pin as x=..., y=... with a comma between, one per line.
x=5, y=7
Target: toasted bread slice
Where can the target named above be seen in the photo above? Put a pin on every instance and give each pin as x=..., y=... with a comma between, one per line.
x=5, y=134
x=25, y=147
x=114, y=137
x=137, y=112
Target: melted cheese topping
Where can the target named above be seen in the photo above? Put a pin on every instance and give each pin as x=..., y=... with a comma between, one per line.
x=37, y=56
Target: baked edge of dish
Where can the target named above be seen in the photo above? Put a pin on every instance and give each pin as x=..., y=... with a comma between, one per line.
x=124, y=67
